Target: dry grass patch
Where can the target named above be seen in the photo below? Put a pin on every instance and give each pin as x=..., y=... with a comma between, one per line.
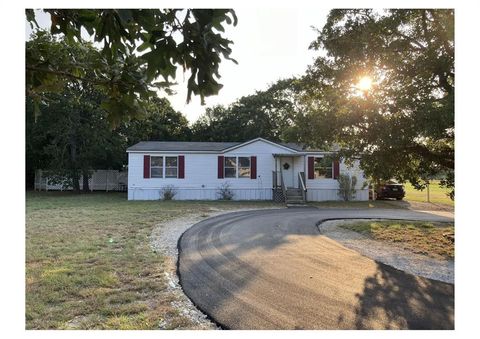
x=429, y=238
x=89, y=264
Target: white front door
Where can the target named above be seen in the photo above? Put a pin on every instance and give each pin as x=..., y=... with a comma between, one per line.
x=286, y=164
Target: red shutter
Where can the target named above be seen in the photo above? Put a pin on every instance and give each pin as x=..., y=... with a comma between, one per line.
x=311, y=174
x=146, y=166
x=336, y=169
x=253, y=167
x=220, y=167
x=181, y=167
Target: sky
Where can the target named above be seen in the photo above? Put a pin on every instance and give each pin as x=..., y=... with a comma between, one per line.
x=269, y=44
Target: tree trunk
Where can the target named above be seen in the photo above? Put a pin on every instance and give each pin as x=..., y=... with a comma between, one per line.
x=75, y=172
x=86, y=188
x=75, y=181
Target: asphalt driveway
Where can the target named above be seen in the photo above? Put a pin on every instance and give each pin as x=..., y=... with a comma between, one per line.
x=272, y=269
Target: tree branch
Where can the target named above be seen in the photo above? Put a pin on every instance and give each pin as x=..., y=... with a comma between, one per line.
x=445, y=159
x=64, y=74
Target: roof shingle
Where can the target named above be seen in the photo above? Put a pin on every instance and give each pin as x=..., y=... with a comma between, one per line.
x=152, y=146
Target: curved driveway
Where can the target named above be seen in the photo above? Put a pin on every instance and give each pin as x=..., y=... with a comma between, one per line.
x=272, y=269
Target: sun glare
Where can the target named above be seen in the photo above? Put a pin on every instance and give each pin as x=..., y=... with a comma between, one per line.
x=365, y=83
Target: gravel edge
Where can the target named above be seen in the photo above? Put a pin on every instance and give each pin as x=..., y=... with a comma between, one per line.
x=164, y=239
x=390, y=254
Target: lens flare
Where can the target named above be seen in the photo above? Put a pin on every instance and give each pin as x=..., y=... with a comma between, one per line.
x=365, y=83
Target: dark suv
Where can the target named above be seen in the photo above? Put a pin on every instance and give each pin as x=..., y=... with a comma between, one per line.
x=390, y=190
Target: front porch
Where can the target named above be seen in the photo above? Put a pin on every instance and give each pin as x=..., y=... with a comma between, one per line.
x=289, y=178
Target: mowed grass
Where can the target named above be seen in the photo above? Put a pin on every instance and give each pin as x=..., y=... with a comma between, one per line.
x=89, y=264
x=438, y=195
x=417, y=236
x=356, y=204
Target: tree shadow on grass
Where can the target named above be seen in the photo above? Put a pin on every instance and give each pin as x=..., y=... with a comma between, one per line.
x=392, y=299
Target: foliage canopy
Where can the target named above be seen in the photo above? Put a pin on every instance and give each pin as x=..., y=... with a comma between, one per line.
x=140, y=52
x=403, y=127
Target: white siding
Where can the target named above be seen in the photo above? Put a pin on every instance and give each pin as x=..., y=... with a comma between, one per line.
x=354, y=170
x=199, y=194
x=201, y=182
x=327, y=189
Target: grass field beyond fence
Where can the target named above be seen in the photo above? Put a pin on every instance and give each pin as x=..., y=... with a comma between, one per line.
x=89, y=263
x=438, y=194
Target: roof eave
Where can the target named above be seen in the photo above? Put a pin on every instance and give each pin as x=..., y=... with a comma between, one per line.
x=258, y=139
x=177, y=151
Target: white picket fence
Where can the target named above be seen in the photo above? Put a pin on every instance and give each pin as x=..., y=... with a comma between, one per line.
x=101, y=180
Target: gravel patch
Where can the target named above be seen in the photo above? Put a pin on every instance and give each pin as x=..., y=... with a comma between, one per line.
x=390, y=254
x=164, y=239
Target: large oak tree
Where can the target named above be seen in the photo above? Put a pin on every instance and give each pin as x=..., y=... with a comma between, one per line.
x=403, y=125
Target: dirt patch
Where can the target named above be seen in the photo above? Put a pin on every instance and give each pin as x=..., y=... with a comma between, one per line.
x=389, y=253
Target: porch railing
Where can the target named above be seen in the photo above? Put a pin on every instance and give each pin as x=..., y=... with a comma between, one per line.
x=275, y=179
x=301, y=185
x=284, y=190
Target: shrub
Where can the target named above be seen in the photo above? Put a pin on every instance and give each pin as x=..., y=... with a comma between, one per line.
x=225, y=192
x=346, y=184
x=168, y=192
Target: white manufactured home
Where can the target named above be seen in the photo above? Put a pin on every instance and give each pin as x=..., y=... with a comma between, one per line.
x=254, y=170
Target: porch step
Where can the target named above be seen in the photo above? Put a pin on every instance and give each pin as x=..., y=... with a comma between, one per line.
x=295, y=201
x=294, y=197
x=294, y=191
x=296, y=205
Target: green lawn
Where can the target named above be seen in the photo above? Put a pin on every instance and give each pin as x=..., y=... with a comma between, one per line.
x=89, y=264
x=438, y=194
x=356, y=204
x=418, y=236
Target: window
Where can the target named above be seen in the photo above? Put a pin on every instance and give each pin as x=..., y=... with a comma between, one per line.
x=156, y=167
x=159, y=164
x=323, y=168
x=244, y=167
x=171, y=167
x=237, y=167
x=230, y=167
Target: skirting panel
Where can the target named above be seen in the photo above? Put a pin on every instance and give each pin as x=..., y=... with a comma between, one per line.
x=322, y=194
x=200, y=194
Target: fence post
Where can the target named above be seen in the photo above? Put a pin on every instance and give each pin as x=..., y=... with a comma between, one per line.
x=428, y=191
